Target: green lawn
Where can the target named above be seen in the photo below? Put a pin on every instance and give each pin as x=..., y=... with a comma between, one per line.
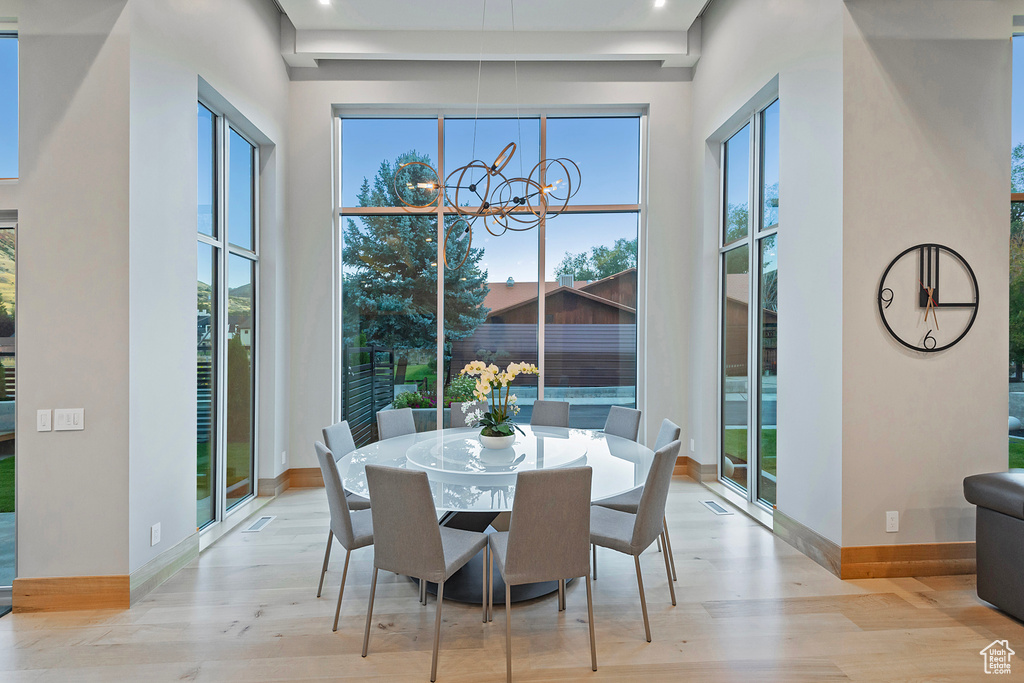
x=414, y=373
x=1017, y=454
x=736, y=446
x=7, y=485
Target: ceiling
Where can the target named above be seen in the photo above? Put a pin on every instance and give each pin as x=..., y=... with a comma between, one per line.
x=550, y=30
x=468, y=15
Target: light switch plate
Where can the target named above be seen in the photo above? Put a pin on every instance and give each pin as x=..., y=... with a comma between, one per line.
x=154, y=534
x=43, y=423
x=69, y=419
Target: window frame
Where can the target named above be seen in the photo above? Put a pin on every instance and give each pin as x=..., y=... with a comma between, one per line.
x=342, y=212
x=757, y=232
x=13, y=35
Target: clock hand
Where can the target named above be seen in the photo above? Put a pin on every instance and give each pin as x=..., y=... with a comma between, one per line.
x=931, y=305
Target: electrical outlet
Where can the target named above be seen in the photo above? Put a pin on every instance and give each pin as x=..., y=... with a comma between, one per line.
x=154, y=534
x=691, y=446
x=892, y=522
x=284, y=457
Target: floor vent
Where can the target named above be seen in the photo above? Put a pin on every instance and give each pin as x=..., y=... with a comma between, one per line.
x=715, y=507
x=260, y=524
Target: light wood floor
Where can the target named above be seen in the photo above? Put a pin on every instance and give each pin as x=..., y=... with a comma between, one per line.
x=751, y=609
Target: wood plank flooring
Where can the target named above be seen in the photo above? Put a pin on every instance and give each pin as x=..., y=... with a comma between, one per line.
x=751, y=608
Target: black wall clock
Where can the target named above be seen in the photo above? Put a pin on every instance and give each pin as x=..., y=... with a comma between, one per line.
x=928, y=298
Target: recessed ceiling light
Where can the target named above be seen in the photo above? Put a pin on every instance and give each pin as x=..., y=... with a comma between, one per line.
x=657, y=3
x=327, y=2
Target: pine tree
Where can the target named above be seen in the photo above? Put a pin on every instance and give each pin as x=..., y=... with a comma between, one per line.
x=390, y=277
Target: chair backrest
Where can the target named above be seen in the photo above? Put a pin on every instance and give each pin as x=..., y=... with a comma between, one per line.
x=651, y=511
x=341, y=522
x=392, y=423
x=338, y=438
x=549, y=533
x=406, y=538
x=624, y=422
x=668, y=433
x=458, y=418
x=550, y=414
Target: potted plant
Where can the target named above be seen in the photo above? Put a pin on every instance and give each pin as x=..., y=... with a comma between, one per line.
x=494, y=386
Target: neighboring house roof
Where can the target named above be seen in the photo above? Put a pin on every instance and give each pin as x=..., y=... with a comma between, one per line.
x=502, y=296
x=580, y=284
x=569, y=291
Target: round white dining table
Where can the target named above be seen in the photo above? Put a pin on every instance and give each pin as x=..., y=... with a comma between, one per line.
x=466, y=477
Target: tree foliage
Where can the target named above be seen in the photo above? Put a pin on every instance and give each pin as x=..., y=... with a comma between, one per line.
x=390, y=274
x=1017, y=257
x=600, y=262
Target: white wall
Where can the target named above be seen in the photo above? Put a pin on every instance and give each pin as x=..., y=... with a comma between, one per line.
x=747, y=44
x=926, y=159
x=107, y=266
x=73, y=333
x=233, y=45
x=664, y=91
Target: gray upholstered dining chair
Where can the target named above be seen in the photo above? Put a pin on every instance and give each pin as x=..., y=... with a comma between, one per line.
x=411, y=543
x=338, y=438
x=352, y=529
x=550, y=414
x=630, y=500
x=458, y=418
x=633, y=533
x=624, y=422
x=546, y=541
x=392, y=423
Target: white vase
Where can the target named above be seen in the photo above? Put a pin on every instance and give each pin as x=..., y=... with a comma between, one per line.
x=497, y=442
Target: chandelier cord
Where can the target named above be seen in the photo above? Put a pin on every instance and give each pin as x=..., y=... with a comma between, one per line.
x=515, y=70
x=479, y=72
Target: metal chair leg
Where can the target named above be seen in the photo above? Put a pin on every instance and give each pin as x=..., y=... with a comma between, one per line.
x=423, y=592
x=668, y=544
x=437, y=631
x=483, y=573
x=508, y=633
x=490, y=593
x=590, y=618
x=341, y=591
x=369, y=611
x=561, y=595
x=668, y=574
x=643, y=601
x=327, y=557
x=659, y=543
x=593, y=547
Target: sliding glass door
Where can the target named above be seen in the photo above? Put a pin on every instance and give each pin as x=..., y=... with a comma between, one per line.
x=227, y=274
x=562, y=294
x=749, y=333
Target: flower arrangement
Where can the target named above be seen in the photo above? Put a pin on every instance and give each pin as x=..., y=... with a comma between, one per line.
x=494, y=386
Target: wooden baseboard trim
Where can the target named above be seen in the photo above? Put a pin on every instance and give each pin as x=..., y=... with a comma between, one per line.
x=66, y=593
x=305, y=478
x=910, y=559
x=162, y=567
x=808, y=541
x=275, y=486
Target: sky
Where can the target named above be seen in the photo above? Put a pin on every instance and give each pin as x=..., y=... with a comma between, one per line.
x=607, y=151
x=1017, y=107
x=8, y=107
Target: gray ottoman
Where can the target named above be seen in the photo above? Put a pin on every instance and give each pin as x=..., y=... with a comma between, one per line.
x=1000, y=538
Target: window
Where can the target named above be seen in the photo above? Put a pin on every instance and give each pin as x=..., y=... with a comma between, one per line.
x=749, y=267
x=228, y=267
x=1016, y=361
x=8, y=105
x=402, y=343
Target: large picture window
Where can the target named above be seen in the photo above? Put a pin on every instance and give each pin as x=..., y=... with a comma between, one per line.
x=749, y=273
x=8, y=105
x=228, y=267
x=562, y=295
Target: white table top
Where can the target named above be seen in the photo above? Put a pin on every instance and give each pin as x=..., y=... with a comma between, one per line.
x=465, y=476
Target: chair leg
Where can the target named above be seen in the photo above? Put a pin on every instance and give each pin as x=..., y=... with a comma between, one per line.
x=508, y=633
x=423, y=591
x=668, y=575
x=369, y=611
x=594, y=548
x=483, y=573
x=668, y=544
x=327, y=557
x=643, y=601
x=490, y=593
x=659, y=543
x=561, y=595
x=341, y=591
x=590, y=618
x=437, y=632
